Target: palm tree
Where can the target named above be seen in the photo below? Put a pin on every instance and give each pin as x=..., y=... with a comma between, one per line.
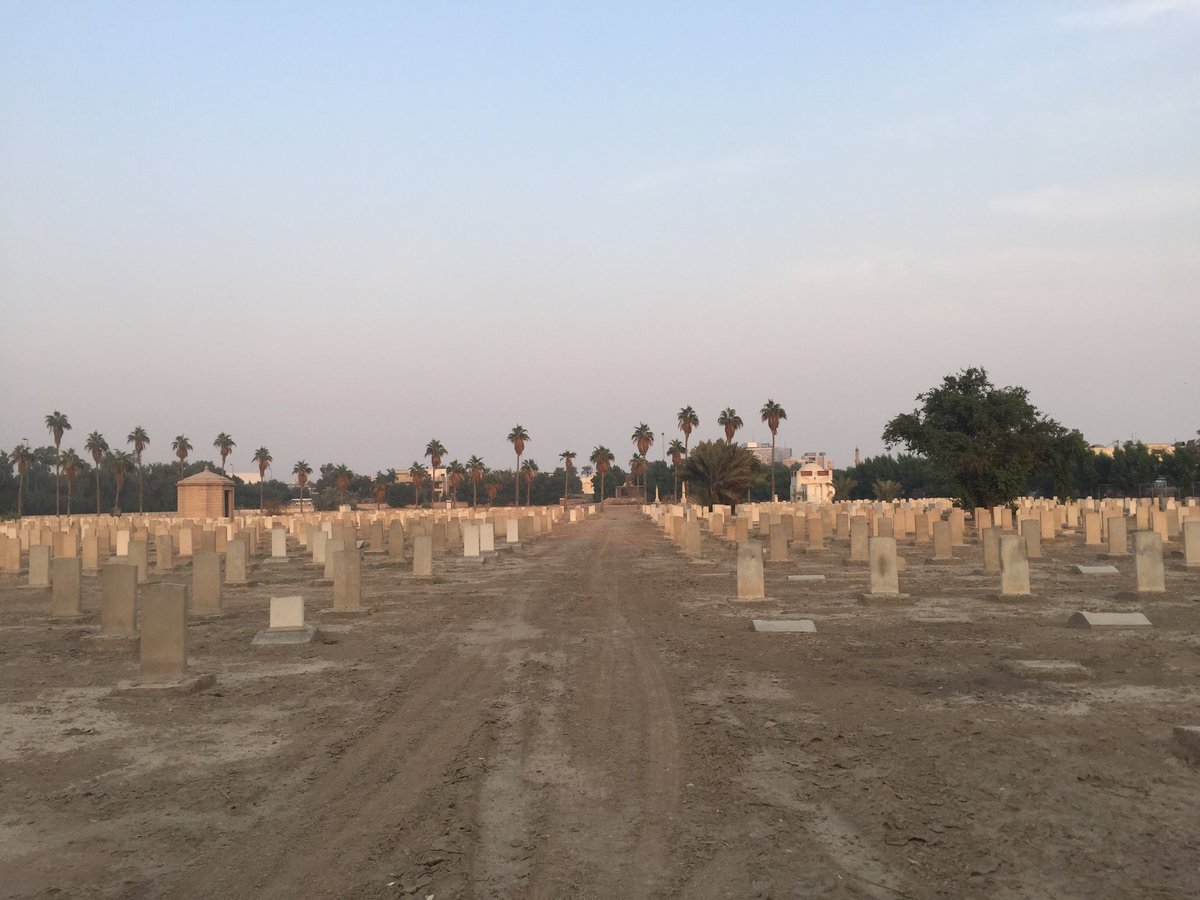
x=139, y=439
x=56, y=424
x=22, y=457
x=518, y=437
x=723, y=468
x=637, y=465
x=529, y=470
x=118, y=463
x=262, y=456
x=676, y=450
x=568, y=458
x=182, y=447
x=731, y=421
x=476, y=469
x=492, y=488
x=97, y=446
x=418, y=473
x=379, y=488
x=885, y=489
x=342, y=476
x=643, y=439
x=773, y=414
x=843, y=486
x=435, y=450
x=456, y=472
x=602, y=459
x=302, y=470
x=687, y=420
x=225, y=444
x=72, y=463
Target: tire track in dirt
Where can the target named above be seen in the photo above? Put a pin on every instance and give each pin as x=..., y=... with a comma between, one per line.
x=354, y=808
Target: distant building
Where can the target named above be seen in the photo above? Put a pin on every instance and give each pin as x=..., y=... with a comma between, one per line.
x=816, y=458
x=812, y=482
x=1107, y=449
x=248, y=477
x=205, y=495
x=763, y=452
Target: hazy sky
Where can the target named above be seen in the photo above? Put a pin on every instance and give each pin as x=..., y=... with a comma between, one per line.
x=340, y=230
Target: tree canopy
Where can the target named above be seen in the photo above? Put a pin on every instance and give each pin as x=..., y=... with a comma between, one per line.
x=987, y=439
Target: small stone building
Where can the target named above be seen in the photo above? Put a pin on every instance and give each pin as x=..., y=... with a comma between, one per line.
x=813, y=483
x=205, y=495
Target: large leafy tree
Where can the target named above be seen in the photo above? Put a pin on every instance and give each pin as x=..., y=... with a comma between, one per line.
x=987, y=439
x=730, y=421
x=476, y=469
x=56, y=424
x=139, y=439
x=518, y=437
x=224, y=444
x=97, y=446
x=722, y=469
x=22, y=457
x=602, y=458
x=772, y=413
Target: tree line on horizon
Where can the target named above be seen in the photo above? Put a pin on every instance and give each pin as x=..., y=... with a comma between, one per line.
x=968, y=439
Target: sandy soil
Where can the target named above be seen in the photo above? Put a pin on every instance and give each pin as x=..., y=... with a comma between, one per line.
x=595, y=718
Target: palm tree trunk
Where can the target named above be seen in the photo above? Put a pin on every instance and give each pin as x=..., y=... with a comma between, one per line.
x=517, y=482
x=474, y=495
x=57, y=475
x=68, y=496
x=141, y=504
x=21, y=496
x=773, y=497
x=260, y=492
x=97, y=488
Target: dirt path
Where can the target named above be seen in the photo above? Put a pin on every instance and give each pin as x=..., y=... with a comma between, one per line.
x=594, y=718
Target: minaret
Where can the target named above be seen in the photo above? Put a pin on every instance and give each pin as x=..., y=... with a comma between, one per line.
x=856, y=457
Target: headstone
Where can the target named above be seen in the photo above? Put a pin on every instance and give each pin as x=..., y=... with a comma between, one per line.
x=278, y=543
x=470, y=533
x=396, y=539
x=991, y=548
x=1118, y=542
x=332, y=546
x=751, y=584
x=347, y=580
x=164, y=554
x=1191, y=542
x=118, y=598
x=1091, y=529
x=91, y=552
x=66, y=600
x=691, y=537
x=206, y=583
x=138, y=555
x=943, y=548
x=1148, y=562
x=487, y=537
x=423, y=556
x=885, y=578
x=287, y=623
x=237, y=561
x=163, y=626
x=39, y=565
x=375, y=537
x=1014, y=566
x=1031, y=531
x=859, y=536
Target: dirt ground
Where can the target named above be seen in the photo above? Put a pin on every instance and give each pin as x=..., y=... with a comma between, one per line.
x=595, y=718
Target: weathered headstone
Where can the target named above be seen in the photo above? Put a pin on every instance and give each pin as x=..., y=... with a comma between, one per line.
x=39, y=565
x=206, y=583
x=423, y=556
x=1148, y=562
x=1014, y=566
x=66, y=599
x=347, y=580
x=237, y=561
x=751, y=583
x=885, y=577
x=138, y=555
x=1118, y=542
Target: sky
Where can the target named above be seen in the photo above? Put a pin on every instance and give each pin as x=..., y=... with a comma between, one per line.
x=341, y=230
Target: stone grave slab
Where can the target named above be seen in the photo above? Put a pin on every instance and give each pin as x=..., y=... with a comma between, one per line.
x=1108, y=620
x=1049, y=669
x=788, y=626
x=806, y=578
x=1097, y=570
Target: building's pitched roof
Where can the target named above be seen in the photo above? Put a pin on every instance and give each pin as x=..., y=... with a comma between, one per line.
x=206, y=477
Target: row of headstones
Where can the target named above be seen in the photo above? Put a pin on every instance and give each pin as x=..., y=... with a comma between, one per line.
x=1004, y=554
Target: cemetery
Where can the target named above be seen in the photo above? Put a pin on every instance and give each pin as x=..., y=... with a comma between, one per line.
x=854, y=698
